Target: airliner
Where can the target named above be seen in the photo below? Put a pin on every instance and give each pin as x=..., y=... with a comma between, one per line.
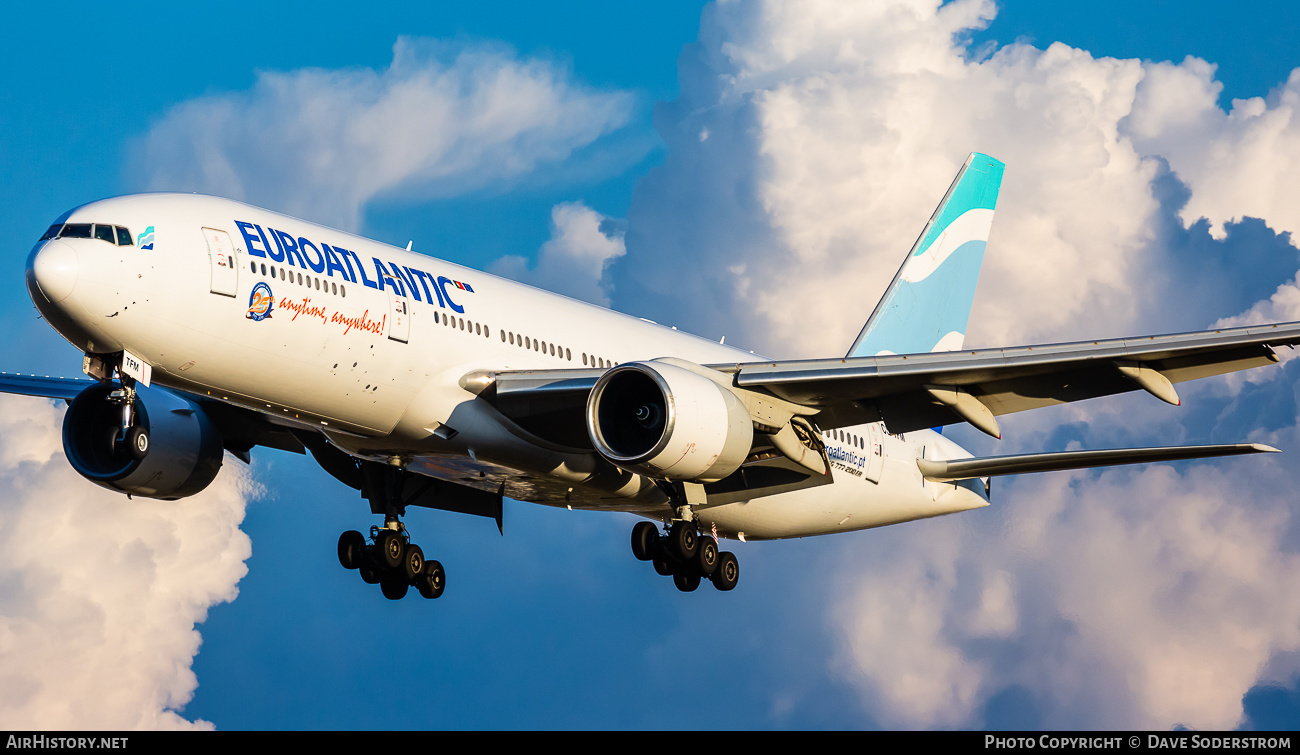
x=210, y=327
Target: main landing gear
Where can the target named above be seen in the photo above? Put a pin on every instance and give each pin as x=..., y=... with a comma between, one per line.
x=389, y=559
x=685, y=555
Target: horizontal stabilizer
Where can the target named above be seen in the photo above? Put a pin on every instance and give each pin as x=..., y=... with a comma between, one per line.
x=994, y=466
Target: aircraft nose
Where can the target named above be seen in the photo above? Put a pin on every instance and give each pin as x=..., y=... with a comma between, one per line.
x=54, y=266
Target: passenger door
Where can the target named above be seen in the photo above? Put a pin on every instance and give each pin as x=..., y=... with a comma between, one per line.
x=875, y=453
x=221, y=258
x=399, y=316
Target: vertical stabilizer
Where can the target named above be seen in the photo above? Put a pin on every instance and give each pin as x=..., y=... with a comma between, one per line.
x=927, y=305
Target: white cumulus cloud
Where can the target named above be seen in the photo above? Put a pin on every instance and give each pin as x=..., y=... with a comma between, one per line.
x=443, y=119
x=100, y=596
x=573, y=261
x=808, y=147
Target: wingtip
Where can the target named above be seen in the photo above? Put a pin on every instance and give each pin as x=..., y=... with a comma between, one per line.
x=1265, y=449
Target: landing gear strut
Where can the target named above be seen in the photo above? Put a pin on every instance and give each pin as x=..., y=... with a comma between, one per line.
x=128, y=438
x=388, y=558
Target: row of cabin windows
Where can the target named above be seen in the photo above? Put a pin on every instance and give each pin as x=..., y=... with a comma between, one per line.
x=850, y=438
x=113, y=234
x=528, y=342
x=309, y=281
x=470, y=326
x=523, y=342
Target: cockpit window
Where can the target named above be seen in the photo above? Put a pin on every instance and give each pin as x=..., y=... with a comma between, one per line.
x=113, y=234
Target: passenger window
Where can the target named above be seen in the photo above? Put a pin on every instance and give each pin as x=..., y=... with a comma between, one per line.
x=75, y=231
x=124, y=237
x=106, y=233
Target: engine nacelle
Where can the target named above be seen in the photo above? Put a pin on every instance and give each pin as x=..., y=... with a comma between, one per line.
x=185, y=449
x=668, y=422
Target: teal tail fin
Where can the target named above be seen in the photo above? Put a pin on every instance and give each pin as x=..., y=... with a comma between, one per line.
x=927, y=305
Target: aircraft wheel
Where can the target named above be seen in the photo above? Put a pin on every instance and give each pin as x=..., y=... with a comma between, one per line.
x=370, y=573
x=644, y=535
x=390, y=548
x=432, y=580
x=412, y=562
x=683, y=541
x=728, y=572
x=137, y=442
x=113, y=442
x=663, y=567
x=686, y=580
x=350, y=545
x=393, y=587
x=706, y=556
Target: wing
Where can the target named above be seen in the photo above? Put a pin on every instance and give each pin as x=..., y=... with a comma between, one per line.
x=915, y=391
x=241, y=429
x=43, y=385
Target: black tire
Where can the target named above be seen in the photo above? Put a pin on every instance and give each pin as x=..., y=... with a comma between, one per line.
x=432, y=580
x=682, y=541
x=393, y=587
x=644, y=535
x=389, y=548
x=412, y=562
x=113, y=442
x=686, y=581
x=706, y=556
x=350, y=545
x=728, y=573
x=370, y=573
x=663, y=566
x=137, y=442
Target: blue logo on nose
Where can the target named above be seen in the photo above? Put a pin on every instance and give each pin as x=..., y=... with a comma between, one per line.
x=146, y=239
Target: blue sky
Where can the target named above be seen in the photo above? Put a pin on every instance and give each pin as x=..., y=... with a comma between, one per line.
x=713, y=161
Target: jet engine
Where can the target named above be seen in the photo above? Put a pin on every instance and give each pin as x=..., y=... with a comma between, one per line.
x=182, y=449
x=668, y=422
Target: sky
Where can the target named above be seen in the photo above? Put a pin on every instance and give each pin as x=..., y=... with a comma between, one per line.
x=750, y=170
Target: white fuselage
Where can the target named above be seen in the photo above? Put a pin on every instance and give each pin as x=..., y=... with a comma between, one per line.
x=369, y=344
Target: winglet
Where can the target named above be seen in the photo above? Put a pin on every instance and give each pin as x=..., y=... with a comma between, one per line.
x=927, y=306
